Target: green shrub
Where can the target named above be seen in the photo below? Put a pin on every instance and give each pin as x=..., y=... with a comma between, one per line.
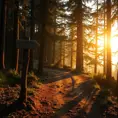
x=9, y=77
x=2, y=78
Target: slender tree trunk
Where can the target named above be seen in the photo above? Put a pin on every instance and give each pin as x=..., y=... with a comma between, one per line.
x=41, y=51
x=25, y=68
x=109, y=66
x=18, y=51
x=3, y=32
x=96, y=42
x=31, y=34
x=54, y=44
x=43, y=11
x=104, y=66
x=72, y=55
x=53, y=52
x=72, y=49
x=64, y=42
x=54, y=40
x=117, y=62
x=26, y=59
x=15, y=51
x=61, y=54
x=49, y=51
x=79, y=57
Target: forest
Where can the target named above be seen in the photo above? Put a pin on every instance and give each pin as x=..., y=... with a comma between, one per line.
x=58, y=58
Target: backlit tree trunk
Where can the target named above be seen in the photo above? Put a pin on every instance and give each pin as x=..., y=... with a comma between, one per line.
x=96, y=41
x=104, y=66
x=79, y=57
x=108, y=74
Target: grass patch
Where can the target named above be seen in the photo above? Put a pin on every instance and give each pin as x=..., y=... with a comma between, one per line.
x=33, y=80
x=30, y=91
x=12, y=77
x=2, y=78
x=9, y=77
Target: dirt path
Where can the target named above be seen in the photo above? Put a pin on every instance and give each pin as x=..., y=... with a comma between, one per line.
x=64, y=95
x=61, y=95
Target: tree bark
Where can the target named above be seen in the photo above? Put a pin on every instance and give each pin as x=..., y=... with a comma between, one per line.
x=3, y=33
x=53, y=58
x=96, y=41
x=64, y=42
x=31, y=34
x=104, y=67
x=108, y=74
x=79, y=57
x=43, y=12
x=26, y=59
x=15, y=51
x=72, y=48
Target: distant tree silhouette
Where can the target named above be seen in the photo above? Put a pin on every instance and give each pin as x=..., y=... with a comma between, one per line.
x=15, y=52
x=43, y=14
x=3, y=32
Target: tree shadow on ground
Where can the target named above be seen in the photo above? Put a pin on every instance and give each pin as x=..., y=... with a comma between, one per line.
x=55, y=78
x=84, y=90
x=5, y=109
x=100, y=106
x=95, y=111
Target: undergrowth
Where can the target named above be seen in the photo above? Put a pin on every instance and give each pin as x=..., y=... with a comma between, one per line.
x=11, y=78
x=106, y=85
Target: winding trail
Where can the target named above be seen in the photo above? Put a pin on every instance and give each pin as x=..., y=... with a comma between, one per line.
x=65, y=95
x=61, y=95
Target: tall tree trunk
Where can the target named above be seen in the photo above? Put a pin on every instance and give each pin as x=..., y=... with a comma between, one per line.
x=72, y=48
x=54, y=42
x=109, y=66
x=79, y=57
x=15, y=52
x=49, y=51
x=26, y=59
x=43, y=11
x=64, y=42
x=3, y=32
x=31, y=34
x=104, y=66
x=53, y=58
x=25, y=68
x=60, y=51
x=41, y=50
x=96, y=41
x=71, y=54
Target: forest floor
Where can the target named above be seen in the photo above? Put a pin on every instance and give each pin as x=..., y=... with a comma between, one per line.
x=60, y=94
